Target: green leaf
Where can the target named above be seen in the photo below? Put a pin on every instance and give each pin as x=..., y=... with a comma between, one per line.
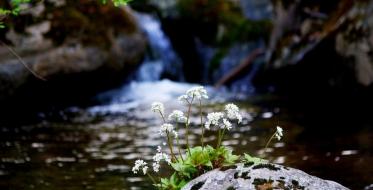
x=120, y=2
x=255, y=160
x=184, y=169
x=228, y=158
x=5, y=12
x=173, y=183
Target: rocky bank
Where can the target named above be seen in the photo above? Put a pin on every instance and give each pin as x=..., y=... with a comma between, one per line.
x=67, y=49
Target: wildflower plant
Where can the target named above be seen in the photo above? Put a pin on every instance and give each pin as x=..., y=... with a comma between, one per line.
x=191, y=162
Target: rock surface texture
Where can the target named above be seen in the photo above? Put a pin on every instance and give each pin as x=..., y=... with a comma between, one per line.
x=70, y=46
x=261, y=177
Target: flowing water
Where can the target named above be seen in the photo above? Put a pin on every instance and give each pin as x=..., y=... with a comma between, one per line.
x=95, y=147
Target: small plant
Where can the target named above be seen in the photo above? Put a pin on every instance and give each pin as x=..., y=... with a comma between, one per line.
x=193, y=161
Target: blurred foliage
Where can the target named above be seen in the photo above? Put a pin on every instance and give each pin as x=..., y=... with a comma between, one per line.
x=81, y=20
x=227, y=21
x=117, y=2
x=14, y=7
x=85, y=22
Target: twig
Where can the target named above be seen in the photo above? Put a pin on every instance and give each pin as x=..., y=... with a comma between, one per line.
x=22, y=62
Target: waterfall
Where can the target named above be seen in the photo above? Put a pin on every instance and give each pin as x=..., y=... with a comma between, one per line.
x=256, y=9
x=161, y=59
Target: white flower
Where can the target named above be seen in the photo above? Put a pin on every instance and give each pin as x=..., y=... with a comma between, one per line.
x=183, y=99
x=233, y=112
x=213, y=119
x=145, y=169
x=157, y=158
x=159, y=149
x=156, y=167
x=279, y=133
x=177, y=116
x=226, y=124
x=198, y=92
x=157, y=107
x=176, y=134
x=140, y=164
x=166, y=128
x=161, y=156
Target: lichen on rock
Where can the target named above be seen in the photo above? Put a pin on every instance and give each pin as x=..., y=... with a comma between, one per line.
x=260, y=177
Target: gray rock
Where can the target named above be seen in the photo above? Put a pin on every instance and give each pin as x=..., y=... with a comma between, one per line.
x=32, y=54
x=260, y=176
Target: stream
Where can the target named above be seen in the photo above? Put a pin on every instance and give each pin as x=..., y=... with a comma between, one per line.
x=94, y=147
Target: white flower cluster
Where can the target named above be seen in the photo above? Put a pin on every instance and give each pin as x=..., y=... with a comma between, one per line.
x=218, y=118
x=213, y=119
x=140, y=164
x=279, y=133
x=183, y=99
x=157, y=107
x=167, y=128
x=198, y=92
x=157, y=158
x=233, y=112
x=177, y=116
x=226, y=124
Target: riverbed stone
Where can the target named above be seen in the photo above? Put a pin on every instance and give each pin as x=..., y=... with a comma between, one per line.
x=260, y=176
x=73, y=46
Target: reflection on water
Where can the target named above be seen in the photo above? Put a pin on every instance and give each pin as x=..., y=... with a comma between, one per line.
x=95, y=148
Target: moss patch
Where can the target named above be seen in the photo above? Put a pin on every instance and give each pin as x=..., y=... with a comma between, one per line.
x=268, y=166
x=225, y=168
x=244, y=175
x=261, y=181
x=231, y=188
x=248, y=164
x=197, y=185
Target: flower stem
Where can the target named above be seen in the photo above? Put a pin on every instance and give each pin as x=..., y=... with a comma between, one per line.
x=179, y=149
x=270, y=139
x=202, y=128
x=170, y=146
x=168, y=139
x=151, y=178
x=220, y=137
x=187, y=126
x=218, y=141
x=178, y=146
x=164, y=120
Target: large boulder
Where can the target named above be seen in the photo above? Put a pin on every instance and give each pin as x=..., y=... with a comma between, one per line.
x=261, y=177
x=67, y=49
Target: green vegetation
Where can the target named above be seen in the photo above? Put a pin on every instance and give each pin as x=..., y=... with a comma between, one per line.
x=194, y=161
x=15, y=7
x=14, y=10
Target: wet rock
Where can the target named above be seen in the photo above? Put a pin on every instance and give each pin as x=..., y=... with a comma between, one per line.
x=344, y=27
x=90, y=46
x=260, y=176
